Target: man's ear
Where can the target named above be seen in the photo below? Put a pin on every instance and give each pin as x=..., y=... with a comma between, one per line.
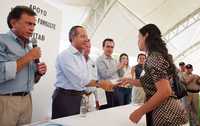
x=146, y=35
x=13, y=23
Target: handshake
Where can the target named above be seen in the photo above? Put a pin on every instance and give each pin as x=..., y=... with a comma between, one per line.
x=109, y=85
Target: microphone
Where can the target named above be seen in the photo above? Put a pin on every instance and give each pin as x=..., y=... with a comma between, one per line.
x=34, y=44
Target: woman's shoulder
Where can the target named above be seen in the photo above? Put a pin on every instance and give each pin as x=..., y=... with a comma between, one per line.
x=156, y=59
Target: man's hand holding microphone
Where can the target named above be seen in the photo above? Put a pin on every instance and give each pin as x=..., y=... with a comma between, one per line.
x=33, y=55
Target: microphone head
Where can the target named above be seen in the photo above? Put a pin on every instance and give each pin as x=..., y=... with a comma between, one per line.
x=34, y=41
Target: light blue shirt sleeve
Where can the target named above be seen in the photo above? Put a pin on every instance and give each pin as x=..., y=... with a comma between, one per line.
x=8, y=69
x=11, y=70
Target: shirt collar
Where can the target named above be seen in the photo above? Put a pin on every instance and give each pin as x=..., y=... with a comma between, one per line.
x=12, y=34
x=74, y=50
x=88, y=60
x=106, y=57
x=17, y=38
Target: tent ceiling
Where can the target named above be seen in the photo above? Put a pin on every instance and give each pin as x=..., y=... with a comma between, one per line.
x=122, y=25
x=74, y=2
x=125, y=17
x=164, y=13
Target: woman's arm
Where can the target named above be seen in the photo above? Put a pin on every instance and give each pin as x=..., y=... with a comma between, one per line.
x=163, y=92
x=129, y=81
x=133, y=72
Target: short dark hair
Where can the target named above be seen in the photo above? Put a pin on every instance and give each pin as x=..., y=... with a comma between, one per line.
x=73, y=32
x=108, y=39
x=140, y=54
x=17, y=12
x=189, y=66
x=181, y=64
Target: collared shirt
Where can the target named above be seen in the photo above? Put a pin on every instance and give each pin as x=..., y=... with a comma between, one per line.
x=11, y=50
x=92, y=68
x=107, y=68
x=192, y=85
x=71, y=70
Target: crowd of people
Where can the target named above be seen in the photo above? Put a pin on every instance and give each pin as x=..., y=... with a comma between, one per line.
x=77, y=74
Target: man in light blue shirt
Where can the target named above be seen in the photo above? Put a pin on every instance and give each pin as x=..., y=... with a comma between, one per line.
x=17, y=69
x=72, y=76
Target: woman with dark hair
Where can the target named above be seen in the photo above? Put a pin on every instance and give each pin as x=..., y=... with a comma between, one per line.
x=161, y=106
x=124, y=93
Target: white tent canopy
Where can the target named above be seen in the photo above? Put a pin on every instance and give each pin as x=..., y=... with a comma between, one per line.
x=121, y=19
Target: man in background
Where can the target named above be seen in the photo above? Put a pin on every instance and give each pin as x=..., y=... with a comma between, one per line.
x=137, y=71
x=181, y=67
x=191, y=101
x=92, y=68
x=107, y=68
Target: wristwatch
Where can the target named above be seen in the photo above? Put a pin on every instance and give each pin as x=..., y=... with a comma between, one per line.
x=97, y=83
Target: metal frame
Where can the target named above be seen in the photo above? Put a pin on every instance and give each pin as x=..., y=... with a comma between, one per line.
x=189, y=50
x=132, y=13
x=182, y=25
x=97, y=14
x=102, y=7
x=100, y=10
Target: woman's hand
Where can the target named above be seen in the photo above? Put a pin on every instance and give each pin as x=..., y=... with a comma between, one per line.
x=106, y=85
x=124, y=82
x=136, y=116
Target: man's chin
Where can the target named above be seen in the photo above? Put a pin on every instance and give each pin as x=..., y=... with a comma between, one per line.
x=28, y=36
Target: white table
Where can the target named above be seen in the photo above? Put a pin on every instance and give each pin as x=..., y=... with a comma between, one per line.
x=117, y=116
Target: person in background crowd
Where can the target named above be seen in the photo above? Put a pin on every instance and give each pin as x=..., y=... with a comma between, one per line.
x=191, y=101
x=124, y=93
x=108, y=68
x=92, y=74
x=138, y=71
x=181, y=67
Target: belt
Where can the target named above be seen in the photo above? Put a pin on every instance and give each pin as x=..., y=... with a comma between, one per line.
x=193, y=91
x=16, y=94
x=70, y=92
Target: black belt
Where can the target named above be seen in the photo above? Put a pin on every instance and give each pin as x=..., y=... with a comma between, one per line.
x=193, y=91
x=70, y=92
x=16, y=94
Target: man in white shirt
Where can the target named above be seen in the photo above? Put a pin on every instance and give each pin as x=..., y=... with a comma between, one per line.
x=92, y=68
x=72, y=76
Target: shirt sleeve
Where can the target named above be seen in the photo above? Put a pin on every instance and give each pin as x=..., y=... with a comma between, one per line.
x=8, y=68
x=158, y=66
